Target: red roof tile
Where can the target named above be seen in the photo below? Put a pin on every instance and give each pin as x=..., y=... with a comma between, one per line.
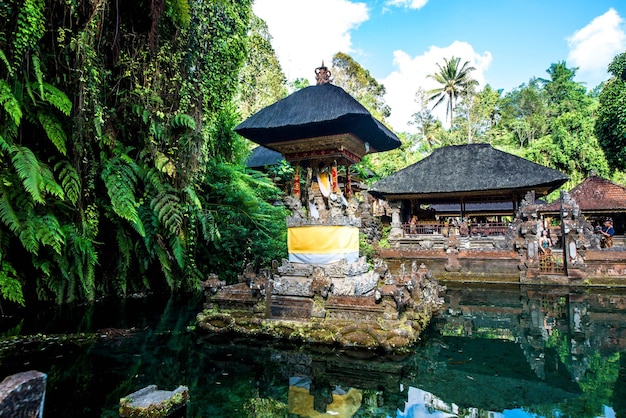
x=595, y=194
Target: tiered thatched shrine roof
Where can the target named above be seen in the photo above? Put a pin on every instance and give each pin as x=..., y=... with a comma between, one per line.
x=316, y=122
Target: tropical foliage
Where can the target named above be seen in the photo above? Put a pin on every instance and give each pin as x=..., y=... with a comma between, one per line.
x=611, y=120
x=117, y=169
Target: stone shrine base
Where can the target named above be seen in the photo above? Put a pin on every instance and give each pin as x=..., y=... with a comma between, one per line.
x=348, y=305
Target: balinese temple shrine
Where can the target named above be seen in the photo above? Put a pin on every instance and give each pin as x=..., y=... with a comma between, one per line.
x=324, y=292
x=319, y=130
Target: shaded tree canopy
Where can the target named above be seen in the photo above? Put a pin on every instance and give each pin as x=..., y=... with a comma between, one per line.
x=610, y=125
x=360, y=84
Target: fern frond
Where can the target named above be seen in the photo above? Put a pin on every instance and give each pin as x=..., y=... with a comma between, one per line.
x=179, y=249
x=7, y=213
x=210, y=231
x=179, y=11
x=120, y=181
x=27, y=167
x=3, y=58
x=156, y=129
x=183, y=120
x=10, y=285
x=31, y=26
x=85, y=258
x=57, y=98
x=69, y=179
x=49, y=232
x=49, y=184
x=5, y=146
x=10, y=103
x=192, y=197
x=28, y=237
x=168, y=211
x=125, y=250
x=166, y=266
x=54, y=130
x=38, y=74
x=164, y=164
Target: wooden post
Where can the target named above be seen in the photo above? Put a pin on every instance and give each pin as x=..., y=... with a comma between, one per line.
x=563, y=237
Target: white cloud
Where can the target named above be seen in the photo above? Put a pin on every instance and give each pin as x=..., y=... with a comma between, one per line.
x=412, y=73
x=593, y=47
x=409, y=4
x=305, y=32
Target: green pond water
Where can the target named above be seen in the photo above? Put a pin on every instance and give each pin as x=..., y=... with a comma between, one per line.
x=492, y=352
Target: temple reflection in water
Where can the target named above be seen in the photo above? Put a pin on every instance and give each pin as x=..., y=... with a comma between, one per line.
x=493, y=352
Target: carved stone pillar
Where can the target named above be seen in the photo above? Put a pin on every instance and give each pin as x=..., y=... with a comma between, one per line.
x=396, y=222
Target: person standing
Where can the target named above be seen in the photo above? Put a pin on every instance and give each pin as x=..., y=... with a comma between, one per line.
x=607, y=232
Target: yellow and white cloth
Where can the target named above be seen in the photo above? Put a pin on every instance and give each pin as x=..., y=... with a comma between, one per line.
x=323, y=244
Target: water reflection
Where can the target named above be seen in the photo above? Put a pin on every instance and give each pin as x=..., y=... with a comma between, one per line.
x=497, y=352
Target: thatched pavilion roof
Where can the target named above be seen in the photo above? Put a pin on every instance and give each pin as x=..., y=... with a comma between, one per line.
x=317, y=111
x=473, y=172
x=594, y=195
x=263, y=157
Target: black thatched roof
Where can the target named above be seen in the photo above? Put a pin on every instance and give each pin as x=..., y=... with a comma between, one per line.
x=316, y=111
x=263, y=157
x=474, y=170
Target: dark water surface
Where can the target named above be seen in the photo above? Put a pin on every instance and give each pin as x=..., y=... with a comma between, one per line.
x=493, y=352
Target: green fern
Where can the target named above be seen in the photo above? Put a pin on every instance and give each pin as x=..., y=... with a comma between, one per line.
x=57, y=98
x=49, y=232
x=164, y=164
x=7, y=213
x=49, y=184
x=5, y=146
x=183, y=120
x=69, y=179
x=124, y=259
x=54, y=131
x=166, y=266
x=27, y=167
x=168, y=211
x=10, y=103
x=30, y=28
x=85, y=259
x=192, y=197
x=10, y=285
x=179, y=250
x=28, y=236
x=7, y=64
x=179, y=11
x=38, y=74
x=120, y=181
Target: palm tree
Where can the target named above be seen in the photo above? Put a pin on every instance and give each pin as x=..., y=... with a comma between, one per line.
x=455, y=82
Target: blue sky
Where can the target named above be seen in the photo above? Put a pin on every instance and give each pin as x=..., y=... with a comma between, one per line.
x=401, y=41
